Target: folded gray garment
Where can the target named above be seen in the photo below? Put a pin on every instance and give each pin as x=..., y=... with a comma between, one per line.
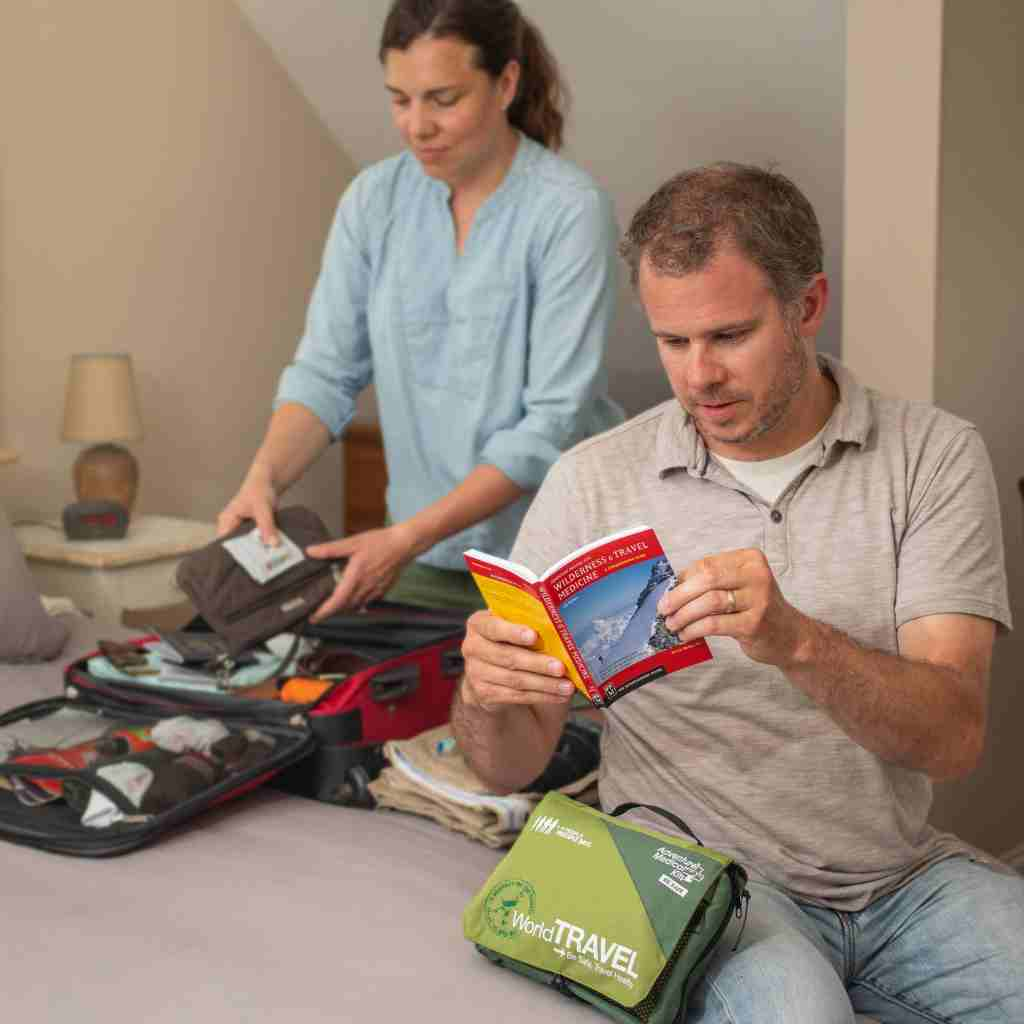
x=427, y=775
x=66, y=727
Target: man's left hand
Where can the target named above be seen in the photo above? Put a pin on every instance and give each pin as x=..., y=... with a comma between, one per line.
x=735, y=594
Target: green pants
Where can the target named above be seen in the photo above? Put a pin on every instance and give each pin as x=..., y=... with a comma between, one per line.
x=435, y=588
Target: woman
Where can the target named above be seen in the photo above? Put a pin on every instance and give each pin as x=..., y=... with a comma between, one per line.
x=472, y=279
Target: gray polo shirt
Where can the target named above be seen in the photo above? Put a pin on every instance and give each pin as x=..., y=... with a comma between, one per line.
x=897, y=518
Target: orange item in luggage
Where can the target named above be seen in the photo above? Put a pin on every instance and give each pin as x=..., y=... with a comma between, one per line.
x=304, y=691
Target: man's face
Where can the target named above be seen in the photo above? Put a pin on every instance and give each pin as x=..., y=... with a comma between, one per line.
x=734, y=363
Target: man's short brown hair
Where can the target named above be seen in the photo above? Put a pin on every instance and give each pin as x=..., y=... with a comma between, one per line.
x=681, y=227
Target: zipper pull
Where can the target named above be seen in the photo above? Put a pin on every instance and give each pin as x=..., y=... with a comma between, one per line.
x=225, y=666
x=742, y=911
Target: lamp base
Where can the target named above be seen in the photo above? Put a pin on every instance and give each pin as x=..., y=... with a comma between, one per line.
x=107, y=472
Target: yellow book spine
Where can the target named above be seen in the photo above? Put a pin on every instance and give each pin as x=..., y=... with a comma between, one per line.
x=520, y=606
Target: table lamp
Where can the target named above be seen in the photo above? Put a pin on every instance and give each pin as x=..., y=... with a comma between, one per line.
x=100, y=408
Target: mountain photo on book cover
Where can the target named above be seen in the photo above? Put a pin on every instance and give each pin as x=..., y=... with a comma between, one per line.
x=615, y=621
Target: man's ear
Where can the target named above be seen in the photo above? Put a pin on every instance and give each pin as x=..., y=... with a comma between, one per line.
x=814, y=306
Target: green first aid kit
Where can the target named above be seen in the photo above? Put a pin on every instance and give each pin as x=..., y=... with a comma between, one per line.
x=620, y=916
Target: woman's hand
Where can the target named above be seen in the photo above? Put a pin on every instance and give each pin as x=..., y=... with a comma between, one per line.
x=256, y=499
x=375, y=558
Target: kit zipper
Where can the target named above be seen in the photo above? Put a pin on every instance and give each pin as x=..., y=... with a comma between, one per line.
x=280, y=596
x=79, y=685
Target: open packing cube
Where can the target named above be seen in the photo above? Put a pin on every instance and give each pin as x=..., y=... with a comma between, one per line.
x=117, y=760
x=92, y=774
x=618, y=915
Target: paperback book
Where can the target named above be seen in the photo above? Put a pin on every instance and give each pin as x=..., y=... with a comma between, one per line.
x=596, y=610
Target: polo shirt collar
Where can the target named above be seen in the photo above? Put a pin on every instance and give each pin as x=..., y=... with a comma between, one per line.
x=678, y=444
x=852, y=419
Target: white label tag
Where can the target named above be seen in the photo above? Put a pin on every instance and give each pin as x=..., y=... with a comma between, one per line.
x=261, y=561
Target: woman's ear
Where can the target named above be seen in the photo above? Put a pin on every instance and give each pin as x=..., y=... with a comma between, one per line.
x=508, y=83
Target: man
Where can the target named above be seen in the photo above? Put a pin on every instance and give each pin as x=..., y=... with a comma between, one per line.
x=842, y=553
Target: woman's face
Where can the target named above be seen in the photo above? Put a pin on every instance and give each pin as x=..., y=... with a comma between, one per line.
x=451, y=113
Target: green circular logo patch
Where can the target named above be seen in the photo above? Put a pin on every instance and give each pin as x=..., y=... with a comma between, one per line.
x=514, y=895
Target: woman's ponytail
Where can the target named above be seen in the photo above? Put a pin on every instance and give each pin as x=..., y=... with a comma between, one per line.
x=538, y=109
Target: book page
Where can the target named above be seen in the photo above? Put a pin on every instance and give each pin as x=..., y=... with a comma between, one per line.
x=503, y=565
x=580, y=553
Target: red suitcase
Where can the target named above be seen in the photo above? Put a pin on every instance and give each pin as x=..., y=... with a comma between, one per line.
x=401, y=666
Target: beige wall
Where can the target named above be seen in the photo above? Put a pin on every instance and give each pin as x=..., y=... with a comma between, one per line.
x=980, y=310
x=893, y=97
x=165, y=191
x=934, y=218
x=658, y=86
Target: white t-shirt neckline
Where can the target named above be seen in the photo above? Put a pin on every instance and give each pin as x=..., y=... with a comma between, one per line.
x=770, y=477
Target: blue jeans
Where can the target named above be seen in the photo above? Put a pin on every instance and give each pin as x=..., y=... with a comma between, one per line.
x=947, y=946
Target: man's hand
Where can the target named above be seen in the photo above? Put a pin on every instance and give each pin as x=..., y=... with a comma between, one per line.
x=375, y=558
x=924, y=708
x=735, y=594
x=511, y=705
x=256, y=500
x=502, y=669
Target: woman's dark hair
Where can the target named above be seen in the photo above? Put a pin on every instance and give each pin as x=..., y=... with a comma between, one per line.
x=500, y=33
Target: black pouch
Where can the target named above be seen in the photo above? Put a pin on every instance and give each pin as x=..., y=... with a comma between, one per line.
x=243, y=612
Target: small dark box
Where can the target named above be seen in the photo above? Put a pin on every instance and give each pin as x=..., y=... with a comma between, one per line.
x=95, y=520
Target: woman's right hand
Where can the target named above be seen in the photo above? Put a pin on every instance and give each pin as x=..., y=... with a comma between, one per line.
x=256, y=499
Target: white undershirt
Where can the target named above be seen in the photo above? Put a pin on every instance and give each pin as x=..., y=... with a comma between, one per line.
x=770, y=477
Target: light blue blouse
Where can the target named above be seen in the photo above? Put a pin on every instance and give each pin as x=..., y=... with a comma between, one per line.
x=493, y=356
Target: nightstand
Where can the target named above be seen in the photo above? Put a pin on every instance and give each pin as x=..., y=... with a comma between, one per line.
x=107, y=577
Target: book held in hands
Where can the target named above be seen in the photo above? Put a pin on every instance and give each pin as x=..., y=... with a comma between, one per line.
x=596, y=610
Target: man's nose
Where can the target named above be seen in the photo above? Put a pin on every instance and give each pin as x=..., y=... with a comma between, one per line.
x=704, y=370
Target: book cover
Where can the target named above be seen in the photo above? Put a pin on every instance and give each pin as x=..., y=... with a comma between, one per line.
x=596, y=611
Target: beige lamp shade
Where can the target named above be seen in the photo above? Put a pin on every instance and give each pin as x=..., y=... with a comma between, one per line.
x=101, y=403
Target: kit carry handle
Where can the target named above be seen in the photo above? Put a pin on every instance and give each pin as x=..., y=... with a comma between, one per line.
x=742, y=908
x=675, y=819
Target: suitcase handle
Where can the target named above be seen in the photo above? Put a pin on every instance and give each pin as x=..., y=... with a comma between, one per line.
x=394, y=685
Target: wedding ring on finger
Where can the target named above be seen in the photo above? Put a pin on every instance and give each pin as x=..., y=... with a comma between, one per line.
x=731, y=602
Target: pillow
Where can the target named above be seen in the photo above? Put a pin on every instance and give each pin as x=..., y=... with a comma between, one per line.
x=27, y=632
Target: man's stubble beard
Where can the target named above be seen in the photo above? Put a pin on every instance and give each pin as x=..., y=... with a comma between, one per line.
x=787, y=385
